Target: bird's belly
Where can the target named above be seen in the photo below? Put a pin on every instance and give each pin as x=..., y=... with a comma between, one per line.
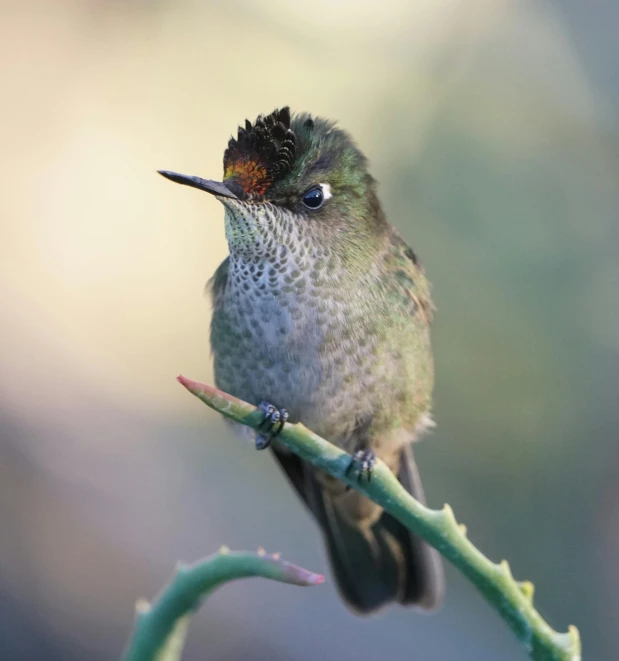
x=334, y=376
x=294, y=364
x=264, y=367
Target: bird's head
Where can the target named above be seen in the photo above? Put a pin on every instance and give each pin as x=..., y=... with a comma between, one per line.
x=294, y=181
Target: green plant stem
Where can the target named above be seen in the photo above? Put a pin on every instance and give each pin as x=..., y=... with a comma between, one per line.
x=512, y=599
x=160, y=627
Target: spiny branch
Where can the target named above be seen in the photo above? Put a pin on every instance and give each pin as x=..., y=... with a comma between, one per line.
x=161, y=627
x=512, y=599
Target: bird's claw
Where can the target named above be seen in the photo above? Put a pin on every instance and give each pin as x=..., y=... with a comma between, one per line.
x=363, y=462
x=271, y=426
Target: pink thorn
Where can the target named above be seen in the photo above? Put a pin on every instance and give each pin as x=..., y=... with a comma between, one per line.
x=196, y=387
x=316, y=579
x=188, y=383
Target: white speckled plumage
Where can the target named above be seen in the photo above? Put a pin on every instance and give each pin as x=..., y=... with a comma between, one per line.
x=292, y=327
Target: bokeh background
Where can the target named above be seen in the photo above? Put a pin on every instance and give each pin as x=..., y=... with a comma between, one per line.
x=492, y=126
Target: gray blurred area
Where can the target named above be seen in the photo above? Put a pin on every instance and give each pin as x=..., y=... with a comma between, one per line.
x=492, y=126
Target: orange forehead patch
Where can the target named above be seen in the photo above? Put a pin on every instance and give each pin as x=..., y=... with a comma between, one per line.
x=250, y=175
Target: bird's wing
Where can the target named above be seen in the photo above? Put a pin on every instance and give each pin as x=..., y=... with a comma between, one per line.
x=410, y=277
x=216, y=285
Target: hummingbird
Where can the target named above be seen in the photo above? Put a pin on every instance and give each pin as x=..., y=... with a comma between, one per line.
x=321, y=315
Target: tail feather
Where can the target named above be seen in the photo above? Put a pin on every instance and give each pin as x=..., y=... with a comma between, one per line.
x=377, y=565
x=367, y=563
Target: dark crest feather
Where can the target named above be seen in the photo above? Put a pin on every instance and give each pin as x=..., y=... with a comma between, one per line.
x=269, y=145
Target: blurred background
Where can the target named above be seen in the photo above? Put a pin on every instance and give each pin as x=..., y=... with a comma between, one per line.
x=493, y=128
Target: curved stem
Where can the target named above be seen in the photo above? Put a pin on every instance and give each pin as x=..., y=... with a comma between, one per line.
x=512, y=599
x=160, y=627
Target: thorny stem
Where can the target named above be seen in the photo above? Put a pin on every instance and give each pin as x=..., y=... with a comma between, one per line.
x=160, y=627
x=512, y=599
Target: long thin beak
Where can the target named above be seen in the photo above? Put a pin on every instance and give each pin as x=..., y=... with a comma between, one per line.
x=214, y=187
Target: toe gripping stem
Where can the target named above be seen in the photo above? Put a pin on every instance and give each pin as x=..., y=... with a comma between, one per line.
x=271, y=426
x=362, y=462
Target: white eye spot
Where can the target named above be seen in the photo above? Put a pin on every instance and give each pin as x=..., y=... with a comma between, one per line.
x=326, y=191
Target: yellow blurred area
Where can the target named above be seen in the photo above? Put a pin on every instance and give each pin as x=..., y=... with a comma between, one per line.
x=103, y=261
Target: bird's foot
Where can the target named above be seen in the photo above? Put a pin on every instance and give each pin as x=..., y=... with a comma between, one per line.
x=363, y=462
x=271, y=426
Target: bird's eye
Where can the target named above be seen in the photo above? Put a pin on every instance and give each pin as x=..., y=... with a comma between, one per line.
x=315, y=197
